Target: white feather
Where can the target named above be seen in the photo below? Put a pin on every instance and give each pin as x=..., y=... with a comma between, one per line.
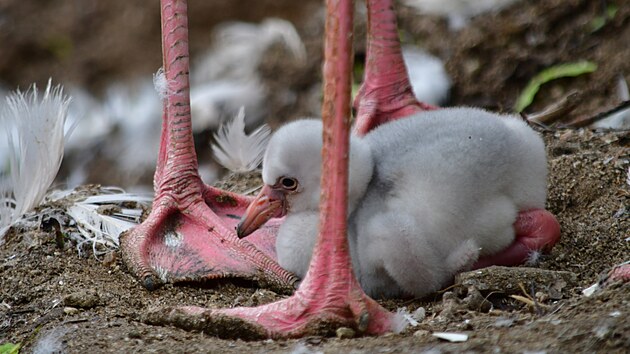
x=227, y=76
x=100, y=230
x=160, y=83
x=7, y=208
x=4, y=143
x=619, y=120
x=239, y=46
x=211, y=103
x=533, y=258
x=429, y=79
x=458, y=12
x=236, y=150
x=34, y=127
x=50, y=342
x=97, y=229
x=401, y=320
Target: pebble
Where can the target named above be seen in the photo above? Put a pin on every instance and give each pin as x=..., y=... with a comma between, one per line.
x=134, y=334
x=70, y=310
x=110, y=259
x=345, y=333
x=421, y=333
x=419, y=314
x=82, y=299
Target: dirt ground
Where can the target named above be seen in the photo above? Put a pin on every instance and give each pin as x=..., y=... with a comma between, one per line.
x=89, y=305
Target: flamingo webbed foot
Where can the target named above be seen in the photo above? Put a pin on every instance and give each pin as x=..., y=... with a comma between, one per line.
x=199, y=243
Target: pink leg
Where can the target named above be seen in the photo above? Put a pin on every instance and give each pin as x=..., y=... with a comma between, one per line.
x=386, y=92
x=189, y=234
x=329, y=293
x=619, y=273
x=536, y=230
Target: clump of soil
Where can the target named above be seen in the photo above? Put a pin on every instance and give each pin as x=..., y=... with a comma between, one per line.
x=92, y=305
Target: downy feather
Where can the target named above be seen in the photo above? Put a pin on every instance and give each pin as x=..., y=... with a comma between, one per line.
x=236, y=150
x=34, y=127
x=227, y=76
x=458, y=12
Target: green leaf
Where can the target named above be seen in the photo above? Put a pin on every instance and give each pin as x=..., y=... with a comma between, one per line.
x=10, y=348
x=600, y=21
x=552, y=73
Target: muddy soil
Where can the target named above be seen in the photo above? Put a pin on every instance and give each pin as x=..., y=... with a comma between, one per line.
x=48, y=292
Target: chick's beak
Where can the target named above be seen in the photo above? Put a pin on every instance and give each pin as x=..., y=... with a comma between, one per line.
x=268, y=203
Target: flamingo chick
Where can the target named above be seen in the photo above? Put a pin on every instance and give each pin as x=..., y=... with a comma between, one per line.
x=428, y=195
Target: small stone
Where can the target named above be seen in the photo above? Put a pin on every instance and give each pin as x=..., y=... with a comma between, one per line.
x=82, y=299
x=345, y=333
x=110, y=259
x=134, y=334
x=449, y=295
x=419, y=314
x=477, y=302
x=555, y=290
x=450, y=306
x=542, y=297
x=421, y=333
x=71, y=311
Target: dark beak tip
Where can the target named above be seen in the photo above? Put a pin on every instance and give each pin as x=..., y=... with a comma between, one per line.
x=241, y=232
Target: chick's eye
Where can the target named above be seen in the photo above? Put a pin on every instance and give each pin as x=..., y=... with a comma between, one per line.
x=288, y=183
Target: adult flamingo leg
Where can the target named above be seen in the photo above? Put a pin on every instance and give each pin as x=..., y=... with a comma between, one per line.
x=329, y=293
x=386, y=93
x=189, y=234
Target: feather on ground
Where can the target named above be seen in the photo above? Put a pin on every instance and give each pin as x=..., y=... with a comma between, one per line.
x=34, y=127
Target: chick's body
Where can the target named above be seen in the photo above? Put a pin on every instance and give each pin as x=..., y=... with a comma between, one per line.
x=428, y=195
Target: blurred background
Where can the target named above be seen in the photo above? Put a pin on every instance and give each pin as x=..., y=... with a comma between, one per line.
x=265, y=55
x=243, y=53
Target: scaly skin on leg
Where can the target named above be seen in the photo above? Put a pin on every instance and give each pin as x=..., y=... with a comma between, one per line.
x=386, y=93
x=188, y=213
x=329, y=296
x=184, y=238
